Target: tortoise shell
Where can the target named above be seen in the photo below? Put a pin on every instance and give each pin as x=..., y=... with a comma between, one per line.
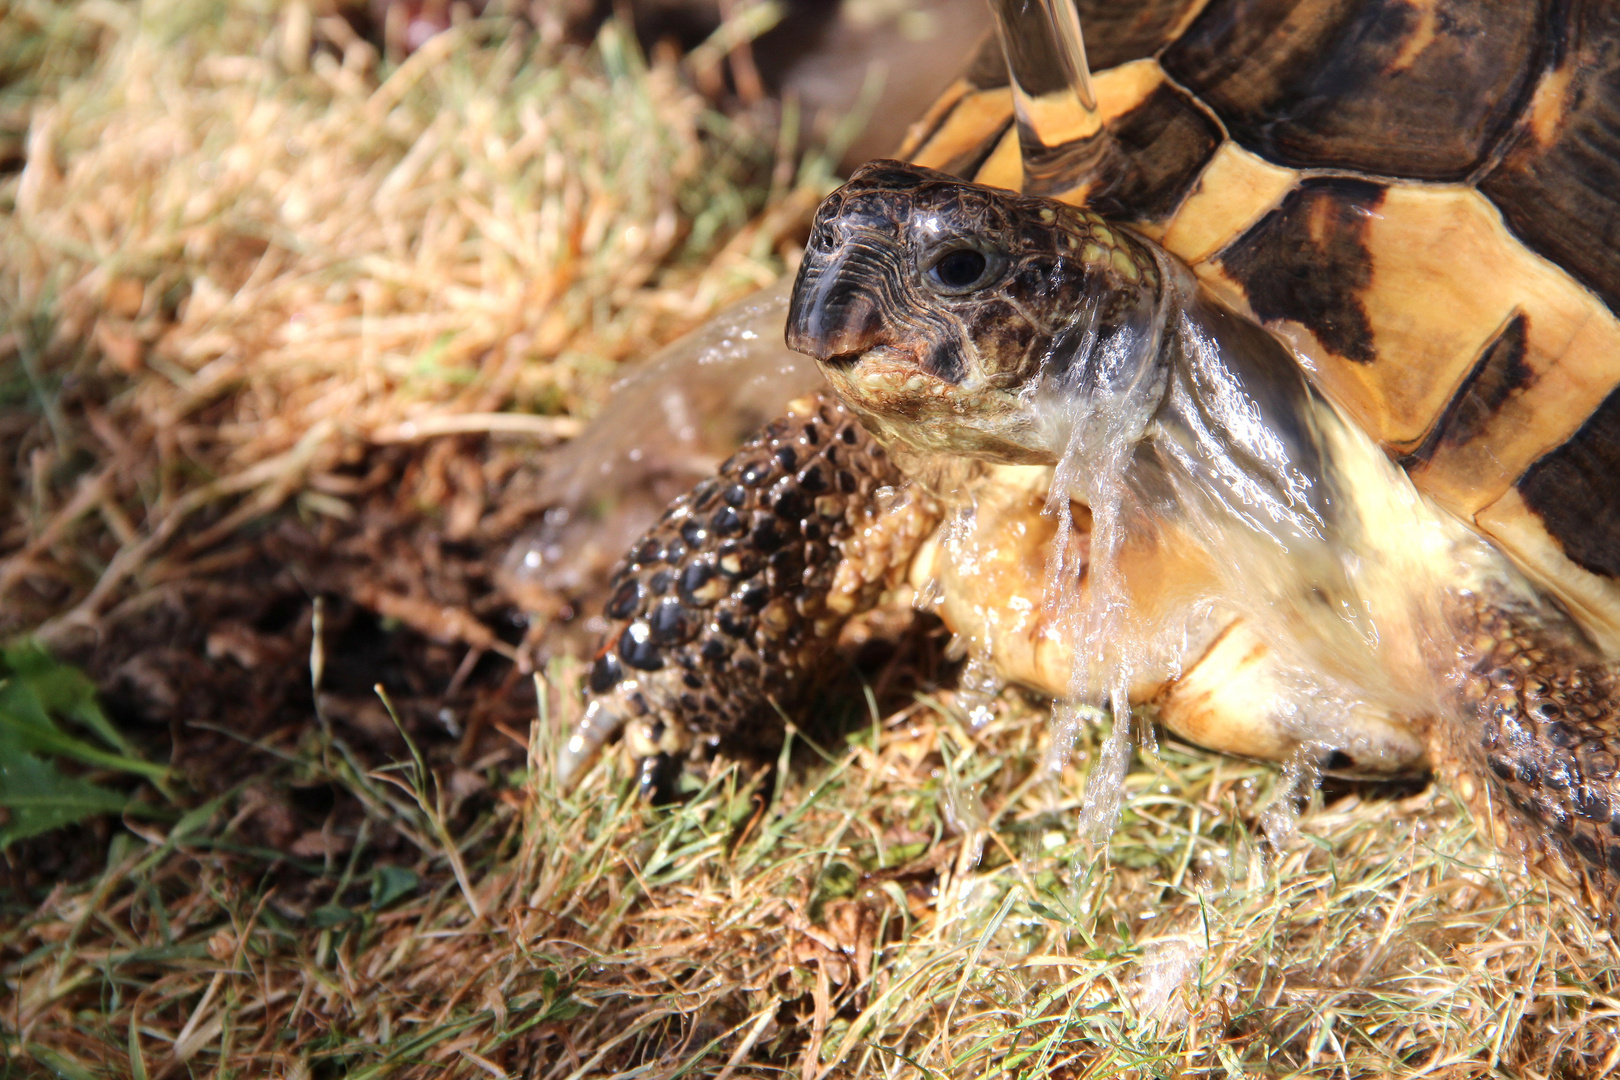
x=1421, y=196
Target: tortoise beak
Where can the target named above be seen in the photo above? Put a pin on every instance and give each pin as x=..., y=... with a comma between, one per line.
x=833, y=315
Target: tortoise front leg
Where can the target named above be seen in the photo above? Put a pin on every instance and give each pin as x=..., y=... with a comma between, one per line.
x=725, y=612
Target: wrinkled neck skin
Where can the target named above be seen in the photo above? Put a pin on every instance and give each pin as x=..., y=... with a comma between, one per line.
x=1199, y=413
x=1190, y=424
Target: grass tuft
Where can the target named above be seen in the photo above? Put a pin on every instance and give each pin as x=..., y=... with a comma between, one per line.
x=240, y=251
x=271, y=304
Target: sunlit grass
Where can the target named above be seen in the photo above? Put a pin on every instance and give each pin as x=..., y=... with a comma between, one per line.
x=241, y=250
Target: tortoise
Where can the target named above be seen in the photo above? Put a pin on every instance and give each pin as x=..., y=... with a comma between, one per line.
x=1283, y=397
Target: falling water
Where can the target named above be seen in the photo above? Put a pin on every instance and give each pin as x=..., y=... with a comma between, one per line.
x=1094, y=618
x=1056, y=108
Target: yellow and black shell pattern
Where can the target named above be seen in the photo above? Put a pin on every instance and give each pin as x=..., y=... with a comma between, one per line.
x=1421, y=196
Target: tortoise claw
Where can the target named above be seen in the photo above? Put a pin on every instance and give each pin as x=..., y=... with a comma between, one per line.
x=594, y=730
x=659, y=773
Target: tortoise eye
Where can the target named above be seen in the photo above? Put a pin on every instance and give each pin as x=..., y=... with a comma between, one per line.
x=960, y=270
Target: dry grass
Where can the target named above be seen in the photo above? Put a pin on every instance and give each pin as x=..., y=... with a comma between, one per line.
x=866, y=919
x=232, y=274
x=254, y=265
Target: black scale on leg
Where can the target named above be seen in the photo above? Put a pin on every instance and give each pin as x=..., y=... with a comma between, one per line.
x=719, y=614
x=1549, y=737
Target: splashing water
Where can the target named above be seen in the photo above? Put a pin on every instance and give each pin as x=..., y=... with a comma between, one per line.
x=1301, y=777
x=1197, y=441
x=1168, y=964
x=692, y=403
x=977, y=686
x=1094, y=619
x=1105, y=420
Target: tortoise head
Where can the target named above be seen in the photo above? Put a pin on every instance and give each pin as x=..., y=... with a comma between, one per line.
x=950, y=315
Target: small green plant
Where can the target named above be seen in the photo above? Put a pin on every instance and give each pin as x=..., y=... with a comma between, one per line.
x=44, y=705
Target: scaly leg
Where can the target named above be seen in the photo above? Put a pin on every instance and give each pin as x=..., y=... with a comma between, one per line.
x=1535, y=740
x=727, y=609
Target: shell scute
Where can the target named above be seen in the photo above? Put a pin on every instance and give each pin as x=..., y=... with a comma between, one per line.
x=1556, y=183
x=1308, y=262
x=1159, y=147
x=1571, y=489
x=1499, y=374
x=1393, y=88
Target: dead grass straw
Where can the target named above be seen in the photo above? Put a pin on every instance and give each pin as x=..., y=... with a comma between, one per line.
x=847, y=927
x=238, y=253
x=226, y=275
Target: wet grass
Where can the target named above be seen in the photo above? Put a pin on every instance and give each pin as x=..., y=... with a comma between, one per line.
x=241, y=254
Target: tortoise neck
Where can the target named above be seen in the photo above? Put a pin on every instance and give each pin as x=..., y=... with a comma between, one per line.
x=1241, y=425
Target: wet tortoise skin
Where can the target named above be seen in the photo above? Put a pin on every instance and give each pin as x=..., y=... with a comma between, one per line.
x=726, y=613
x=1339, y=173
